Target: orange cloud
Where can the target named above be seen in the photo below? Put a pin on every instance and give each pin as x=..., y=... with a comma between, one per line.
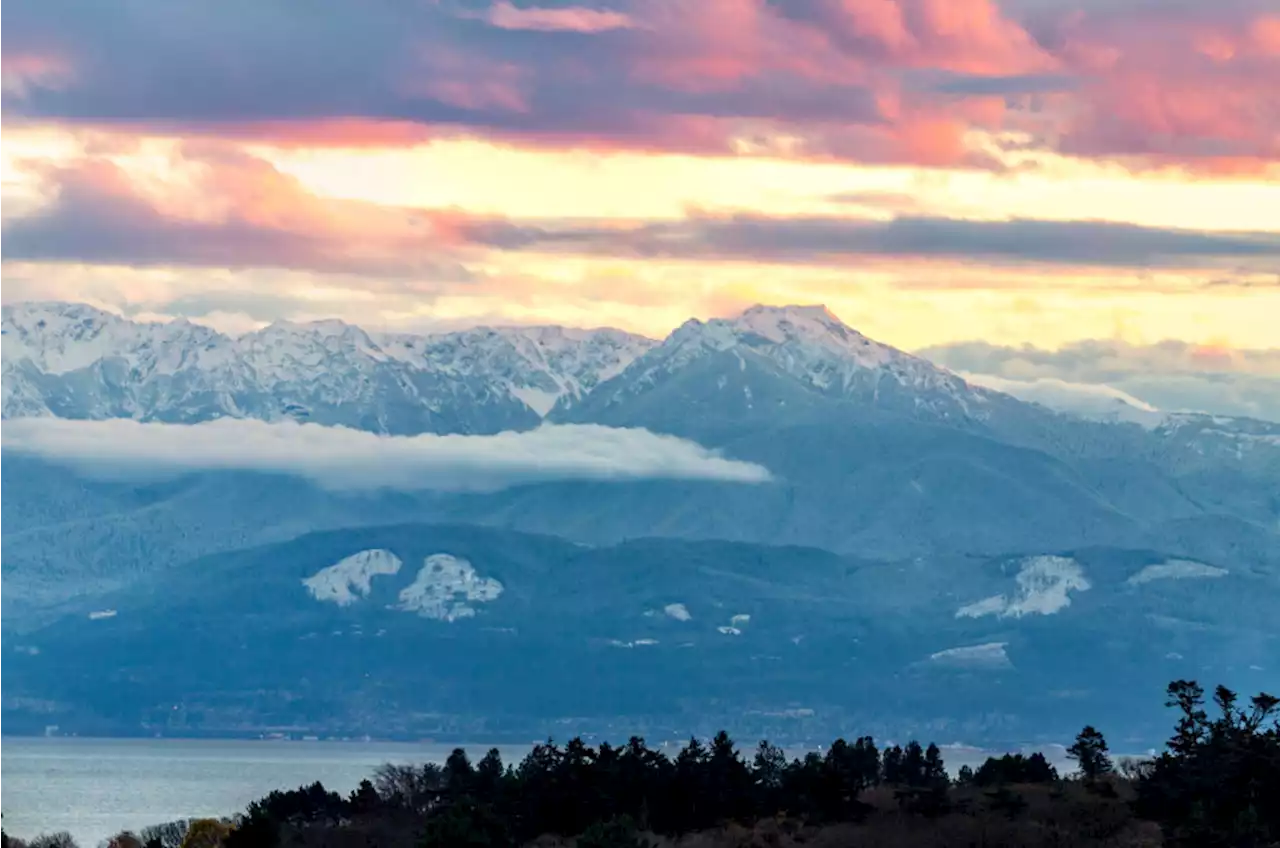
x=350, y=133
x=1265, y=34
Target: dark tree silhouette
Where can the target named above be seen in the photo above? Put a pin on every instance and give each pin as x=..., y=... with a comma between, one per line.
x=1214, y=787
x=1014, y=768
x=1217, y=783
x=1090, y=753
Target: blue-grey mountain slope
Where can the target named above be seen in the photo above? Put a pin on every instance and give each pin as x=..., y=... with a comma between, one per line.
x=874, y=452
x=881, y=453
x=418, y=630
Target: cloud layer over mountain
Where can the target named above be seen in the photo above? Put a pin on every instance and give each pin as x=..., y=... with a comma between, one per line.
x=341, y=458
x=1170, y=375
x=1085, y=399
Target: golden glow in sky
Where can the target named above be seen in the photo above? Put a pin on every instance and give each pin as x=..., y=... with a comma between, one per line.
x=1005, y=172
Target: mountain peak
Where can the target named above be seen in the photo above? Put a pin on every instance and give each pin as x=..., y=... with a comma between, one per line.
x=808, y=324
x=815, y=348
x=32, y=312
x=321, y=327
x=793, y=311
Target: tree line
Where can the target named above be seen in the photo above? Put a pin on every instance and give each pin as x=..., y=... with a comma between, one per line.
x=1216, y=785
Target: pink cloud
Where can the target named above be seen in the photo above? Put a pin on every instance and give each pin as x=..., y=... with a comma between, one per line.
x=22, y=69
x=234, y=210
x=468, y=81
x=1198, y=91
x=564, y=19
x=716, y=44
x=1265, y=34
x=965, y=36
x=883, y=81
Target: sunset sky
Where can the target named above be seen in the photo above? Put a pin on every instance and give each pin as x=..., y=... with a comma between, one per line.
x=1060, y=173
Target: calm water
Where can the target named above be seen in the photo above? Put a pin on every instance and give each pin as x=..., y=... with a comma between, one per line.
x=96, y=788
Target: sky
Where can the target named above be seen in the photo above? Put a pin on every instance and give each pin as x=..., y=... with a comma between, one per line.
x=1077, y=177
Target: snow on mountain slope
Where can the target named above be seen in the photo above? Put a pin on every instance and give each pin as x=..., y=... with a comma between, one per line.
x=1043, y=587
x=351, y=578
x=1176, y=569
x=445, y=589
x=60, y=338
x=810, y=346
x=74, y=361
x=542, y=366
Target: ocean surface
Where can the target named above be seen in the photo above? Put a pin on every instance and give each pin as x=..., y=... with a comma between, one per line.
x=95, y=788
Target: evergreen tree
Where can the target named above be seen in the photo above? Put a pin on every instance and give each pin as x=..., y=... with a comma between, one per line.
x=1090, y=753
x=465, y=824
x=891, y=765
x=729, y=781
x=935, y=770
x=1216, y=784
x=769, y=766
x=913, y=764
x=689, y=787
x=364, y=800
x=867, y=756
x=1015, y=768
x=458, y=774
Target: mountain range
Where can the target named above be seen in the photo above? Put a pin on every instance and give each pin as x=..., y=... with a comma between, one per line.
x=908, y=513
x=73, y=361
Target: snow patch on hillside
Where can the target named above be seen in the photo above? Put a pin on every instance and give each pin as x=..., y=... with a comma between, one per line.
x=988, y=655
x=677, y=611
x=351, y=579
x=540, y=401
x=445, y=589
x=1175, y=569
x=637, y=643
x=1044, y=586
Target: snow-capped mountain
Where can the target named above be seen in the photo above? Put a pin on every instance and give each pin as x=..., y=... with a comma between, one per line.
x=74, y=361
x=61, y=338
x=776, y=360
x=1005, y=530
x=870, y=450
x=542, y=366
x=769, y=364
